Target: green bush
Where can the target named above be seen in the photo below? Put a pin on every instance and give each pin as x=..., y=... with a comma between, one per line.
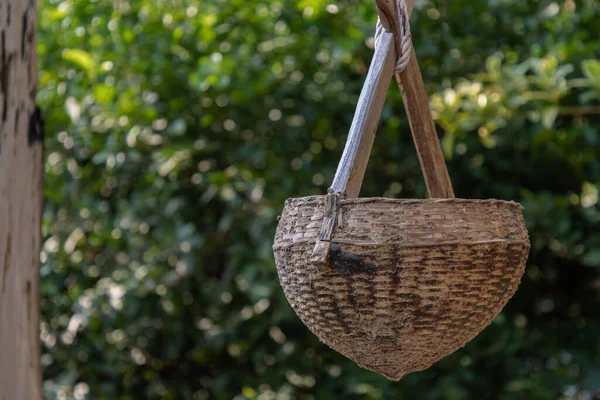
x=176, y=129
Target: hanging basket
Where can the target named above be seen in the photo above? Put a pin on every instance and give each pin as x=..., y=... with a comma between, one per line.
x=397, y=284
x=409, y=282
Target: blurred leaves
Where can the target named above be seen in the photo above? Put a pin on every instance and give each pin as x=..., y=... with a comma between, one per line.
x=177, y=129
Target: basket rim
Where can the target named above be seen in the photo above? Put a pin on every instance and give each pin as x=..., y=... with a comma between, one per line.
x=526, y=242
x=364, y=200
x=414, y=205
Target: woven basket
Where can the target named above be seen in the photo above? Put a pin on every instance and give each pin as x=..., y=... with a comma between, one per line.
x=395, y=285
x=411, y=281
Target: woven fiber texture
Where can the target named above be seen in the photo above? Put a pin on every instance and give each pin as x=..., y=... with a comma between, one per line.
x=409, y=281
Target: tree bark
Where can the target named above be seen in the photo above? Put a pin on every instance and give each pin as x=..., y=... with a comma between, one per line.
x=21, y=194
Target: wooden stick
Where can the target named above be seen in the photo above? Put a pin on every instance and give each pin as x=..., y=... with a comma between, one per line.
x=416, y=104
x=431, y=157
x=351, y=169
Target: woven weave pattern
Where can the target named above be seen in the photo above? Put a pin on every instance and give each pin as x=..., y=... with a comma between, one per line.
x=411, y=281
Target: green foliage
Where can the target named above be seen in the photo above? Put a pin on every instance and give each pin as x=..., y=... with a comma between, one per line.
x=176, y=129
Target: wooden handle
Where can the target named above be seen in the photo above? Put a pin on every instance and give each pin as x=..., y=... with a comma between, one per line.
x=416, y=104
x=351, y=170
x=431, y=157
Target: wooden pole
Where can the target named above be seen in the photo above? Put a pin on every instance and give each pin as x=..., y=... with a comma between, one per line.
x=353, y=164
x=416, y=104
x=21, y=193
x=431, y=157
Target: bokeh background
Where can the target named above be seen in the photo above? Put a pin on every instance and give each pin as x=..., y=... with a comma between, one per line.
x=176, y=129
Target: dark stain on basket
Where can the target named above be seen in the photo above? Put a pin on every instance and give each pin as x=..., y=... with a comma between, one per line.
x=395, y=278
x=350, y=289
x=340, y=317
x=347, y=262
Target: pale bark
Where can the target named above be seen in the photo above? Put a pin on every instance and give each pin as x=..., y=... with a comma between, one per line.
x=21, y=174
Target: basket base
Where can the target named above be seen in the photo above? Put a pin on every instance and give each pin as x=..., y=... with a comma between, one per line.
x=409, y=311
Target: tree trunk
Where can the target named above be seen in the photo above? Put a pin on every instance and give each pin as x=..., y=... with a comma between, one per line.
x=21, y=175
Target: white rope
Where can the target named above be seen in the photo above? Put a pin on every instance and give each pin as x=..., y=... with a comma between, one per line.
x=406, y=40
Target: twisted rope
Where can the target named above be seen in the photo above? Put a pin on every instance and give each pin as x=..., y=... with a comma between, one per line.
x=406, y=39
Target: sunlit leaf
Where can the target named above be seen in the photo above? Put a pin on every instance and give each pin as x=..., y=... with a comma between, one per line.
x=79, y=57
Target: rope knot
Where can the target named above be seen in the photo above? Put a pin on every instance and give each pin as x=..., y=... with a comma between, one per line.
x=405, y=39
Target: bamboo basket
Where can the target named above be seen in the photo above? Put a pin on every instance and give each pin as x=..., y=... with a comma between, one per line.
x=397, y=284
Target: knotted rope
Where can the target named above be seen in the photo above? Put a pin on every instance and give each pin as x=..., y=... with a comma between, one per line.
x=406, y=38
